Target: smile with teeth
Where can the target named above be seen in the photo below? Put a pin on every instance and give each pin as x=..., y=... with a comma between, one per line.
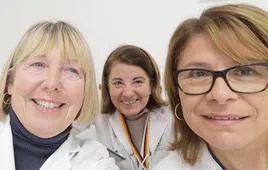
x=224, y=118
x=130, y=102
x=47, y=104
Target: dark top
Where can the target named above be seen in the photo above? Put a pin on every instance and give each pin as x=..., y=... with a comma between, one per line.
x=30, y=151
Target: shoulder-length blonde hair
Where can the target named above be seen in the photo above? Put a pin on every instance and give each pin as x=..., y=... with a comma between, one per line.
x=42, y=38
x=132, y=55
x=239, y=24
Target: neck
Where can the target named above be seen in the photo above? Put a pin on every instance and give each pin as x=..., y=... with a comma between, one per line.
x=253, y=156
x=136, y=129
x=136, y=116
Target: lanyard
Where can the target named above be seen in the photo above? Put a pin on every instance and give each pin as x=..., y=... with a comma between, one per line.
x=143, y=160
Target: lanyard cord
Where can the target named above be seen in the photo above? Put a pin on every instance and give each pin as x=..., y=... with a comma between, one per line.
x=141, y=159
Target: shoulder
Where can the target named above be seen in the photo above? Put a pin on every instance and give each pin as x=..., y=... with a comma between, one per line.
x=93, y=155
x=163, y=110
x=103, y=117
x=172, y=161
x=161, y=114
x=103, y=121
x=4, y=123
x=84, y=131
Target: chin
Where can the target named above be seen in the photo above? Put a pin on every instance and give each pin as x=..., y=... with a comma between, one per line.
x=226, y=144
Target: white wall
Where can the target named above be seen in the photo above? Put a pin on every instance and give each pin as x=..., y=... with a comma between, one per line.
x=105, y=23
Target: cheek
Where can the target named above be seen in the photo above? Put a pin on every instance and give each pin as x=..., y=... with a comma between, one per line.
x=77, y=92
x=22, y=85
x=114, y=95
x=189, y=103
x=257, y=104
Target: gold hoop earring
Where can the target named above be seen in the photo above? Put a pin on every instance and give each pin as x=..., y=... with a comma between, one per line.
x=176, y=114
x=6, y=98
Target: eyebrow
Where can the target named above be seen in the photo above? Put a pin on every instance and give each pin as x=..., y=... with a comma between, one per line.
x=37, y=56
x=120, y=79
x=196, y=65
x=139, y=77
x=70, y=61
x=116, y=79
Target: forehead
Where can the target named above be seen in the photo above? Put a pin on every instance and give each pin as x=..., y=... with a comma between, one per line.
x=56, y=53
x=126, y=71
x=201, y=52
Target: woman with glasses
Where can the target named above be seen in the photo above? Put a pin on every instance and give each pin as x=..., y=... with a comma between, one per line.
x=47, y=86
x=216, y=78
x=134, y=125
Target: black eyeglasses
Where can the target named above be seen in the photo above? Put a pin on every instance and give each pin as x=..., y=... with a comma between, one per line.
x=251, y=78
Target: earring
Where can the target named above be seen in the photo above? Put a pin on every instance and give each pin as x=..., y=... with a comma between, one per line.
x=176, y=114
x=6, y=98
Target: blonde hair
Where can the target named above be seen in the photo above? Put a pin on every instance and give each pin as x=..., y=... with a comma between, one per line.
x=42, y=38
x=226, y=25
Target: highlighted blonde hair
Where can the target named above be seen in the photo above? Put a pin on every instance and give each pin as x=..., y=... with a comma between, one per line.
x=40, y=39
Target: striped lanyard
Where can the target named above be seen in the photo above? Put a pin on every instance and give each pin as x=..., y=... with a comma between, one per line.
x=143, y=160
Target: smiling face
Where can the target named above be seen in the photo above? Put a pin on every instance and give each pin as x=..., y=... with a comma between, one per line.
x=129, y=88
x=224, y=119
x=47, y=93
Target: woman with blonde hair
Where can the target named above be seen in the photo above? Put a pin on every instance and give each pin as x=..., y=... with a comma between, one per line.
x=216, y=77
x=49, y=84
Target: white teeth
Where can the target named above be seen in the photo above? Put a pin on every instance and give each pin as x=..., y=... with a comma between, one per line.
x=47, y=105
x=129, y=102
x=224, y=118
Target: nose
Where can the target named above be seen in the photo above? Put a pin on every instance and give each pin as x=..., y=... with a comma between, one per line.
x=128, y=90
x=220, y=92
x=52, y=81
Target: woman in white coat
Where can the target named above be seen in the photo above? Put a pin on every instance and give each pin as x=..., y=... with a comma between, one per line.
x=47, y=85
x=135, y=124
x=216, y=77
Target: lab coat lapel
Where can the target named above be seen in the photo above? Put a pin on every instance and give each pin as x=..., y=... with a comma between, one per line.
x=61, y=158
x=157, y=125
x=119, y=132
x=6, y=145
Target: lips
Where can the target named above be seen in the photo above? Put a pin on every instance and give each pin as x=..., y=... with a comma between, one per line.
x=130, y=102
x=47, y=104
x=225, y=117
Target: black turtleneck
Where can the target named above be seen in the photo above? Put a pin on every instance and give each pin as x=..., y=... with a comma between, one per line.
x=31, y=151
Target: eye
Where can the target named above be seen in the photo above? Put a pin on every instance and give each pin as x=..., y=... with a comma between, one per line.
x=245, y=71
x=138, y=81
x=72, y=72
x=197, y=74
x=116, y=84
x=35, y=66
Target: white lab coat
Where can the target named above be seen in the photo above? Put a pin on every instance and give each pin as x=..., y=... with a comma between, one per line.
x=110, y=133
x=174, y=161
x=73, y=154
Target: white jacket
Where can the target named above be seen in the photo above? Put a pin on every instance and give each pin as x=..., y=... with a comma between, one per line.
x=174, y=161
x=73, y=154
x=110, y=133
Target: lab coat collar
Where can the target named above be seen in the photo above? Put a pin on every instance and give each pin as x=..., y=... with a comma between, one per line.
x=158, y=121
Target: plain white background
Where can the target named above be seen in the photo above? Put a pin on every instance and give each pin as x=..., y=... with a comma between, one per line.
x=106, y=23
